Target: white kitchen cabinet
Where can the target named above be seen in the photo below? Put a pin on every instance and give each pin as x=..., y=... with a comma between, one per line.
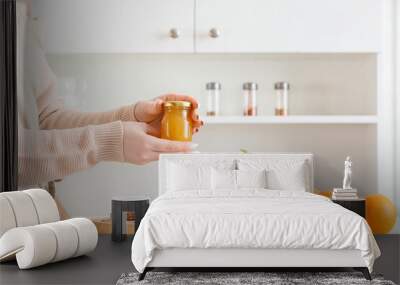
x=240, y=26
x=79, y=26
x=288, y=25
x=149, y=24
x=115, y=26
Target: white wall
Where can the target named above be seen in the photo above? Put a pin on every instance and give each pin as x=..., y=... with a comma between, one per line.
x=321, y=84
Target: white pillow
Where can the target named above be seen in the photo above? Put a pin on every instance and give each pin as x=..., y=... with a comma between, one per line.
x=251, y=178
x=281, y=174
x=293, y=178
x=223, y=179
x=183, y=177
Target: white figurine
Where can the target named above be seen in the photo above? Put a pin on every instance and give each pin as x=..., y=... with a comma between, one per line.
x=347, y=173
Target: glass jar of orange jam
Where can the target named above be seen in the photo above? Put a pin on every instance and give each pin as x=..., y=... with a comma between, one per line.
x=176, y=123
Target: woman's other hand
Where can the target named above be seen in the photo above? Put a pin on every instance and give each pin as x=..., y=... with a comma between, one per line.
x=141, y=144
x=151, y=111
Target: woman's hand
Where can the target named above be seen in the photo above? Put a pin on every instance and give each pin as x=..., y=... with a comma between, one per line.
x=141, y=144
x=151, y=111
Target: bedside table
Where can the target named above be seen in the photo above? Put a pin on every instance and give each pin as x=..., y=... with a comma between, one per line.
x=357, y=205
x=136, y=204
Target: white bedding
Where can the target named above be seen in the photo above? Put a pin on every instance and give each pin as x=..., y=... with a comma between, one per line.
x=251, y=218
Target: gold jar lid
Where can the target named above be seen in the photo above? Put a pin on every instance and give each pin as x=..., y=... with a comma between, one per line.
x=178, y=104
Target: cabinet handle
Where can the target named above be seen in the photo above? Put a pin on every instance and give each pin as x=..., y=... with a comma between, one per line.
x=214, y=33
x=174, y=33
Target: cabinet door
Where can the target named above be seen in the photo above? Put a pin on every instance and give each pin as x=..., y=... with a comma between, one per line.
x=288, y=25
x=148, y=25
x=112, y=26
x=79, y=26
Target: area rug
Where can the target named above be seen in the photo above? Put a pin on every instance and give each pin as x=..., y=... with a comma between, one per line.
x=269, y=278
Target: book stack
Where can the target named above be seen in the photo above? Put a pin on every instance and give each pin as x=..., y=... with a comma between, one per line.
x=344, y=194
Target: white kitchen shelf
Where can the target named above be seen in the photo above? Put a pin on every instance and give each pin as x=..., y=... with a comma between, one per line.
x=291, y=120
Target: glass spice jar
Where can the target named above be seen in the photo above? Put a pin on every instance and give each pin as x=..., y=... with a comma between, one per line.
x=250, y=98
x=282, y=98
x=176, y=123
x=213, y=94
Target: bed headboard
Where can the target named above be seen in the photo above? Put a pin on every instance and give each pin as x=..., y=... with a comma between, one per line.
x=227, y=160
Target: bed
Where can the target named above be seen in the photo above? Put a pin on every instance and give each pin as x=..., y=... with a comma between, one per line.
x=247, y=211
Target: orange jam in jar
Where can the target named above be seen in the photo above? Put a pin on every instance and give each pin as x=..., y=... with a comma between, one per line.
x=176, y=123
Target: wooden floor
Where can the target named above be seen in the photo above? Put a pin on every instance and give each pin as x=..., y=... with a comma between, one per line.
x=110, y=260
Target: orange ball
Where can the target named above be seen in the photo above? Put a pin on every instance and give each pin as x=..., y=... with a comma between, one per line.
x=381, y=213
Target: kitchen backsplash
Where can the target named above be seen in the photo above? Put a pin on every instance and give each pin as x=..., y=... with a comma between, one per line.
x=320, y=84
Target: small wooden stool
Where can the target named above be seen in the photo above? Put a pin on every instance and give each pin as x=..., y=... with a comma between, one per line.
x=136, y=204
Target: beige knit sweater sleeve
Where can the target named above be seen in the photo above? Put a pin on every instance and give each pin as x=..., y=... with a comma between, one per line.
x=53, y=115
x=46, y=155
x=67, y=141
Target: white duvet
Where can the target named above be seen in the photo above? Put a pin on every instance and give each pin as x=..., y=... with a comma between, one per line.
x=250, y=219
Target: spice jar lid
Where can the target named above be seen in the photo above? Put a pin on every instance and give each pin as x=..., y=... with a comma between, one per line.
x=250, y=86
x=282, y=85
x=183, y=104
x=213, y=86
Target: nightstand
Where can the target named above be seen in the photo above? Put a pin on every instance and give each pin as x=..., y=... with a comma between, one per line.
x=357, y=205
x=137, y=204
